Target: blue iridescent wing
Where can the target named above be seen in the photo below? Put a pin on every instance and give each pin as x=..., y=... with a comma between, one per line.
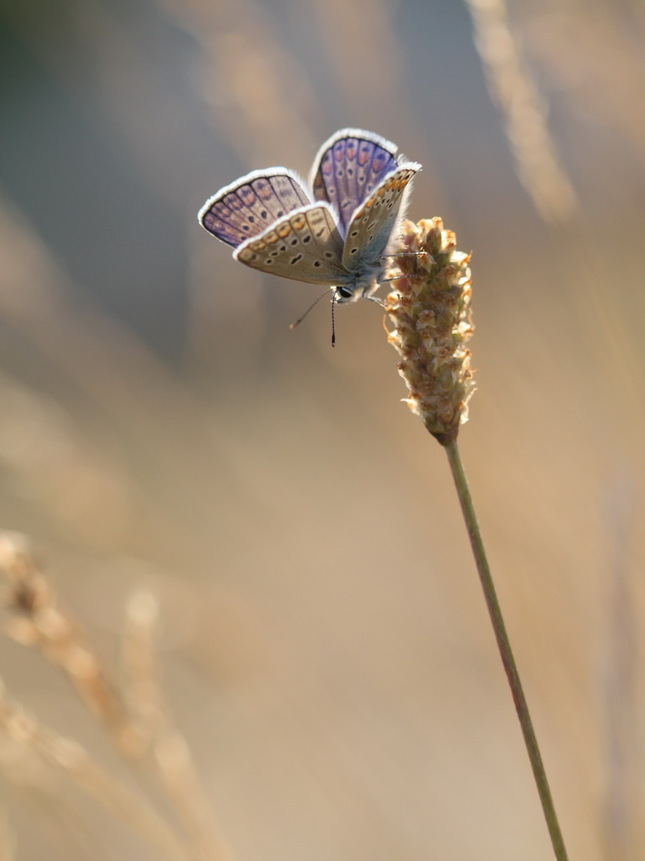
x=251, y=204
x=348, y=167
x=374, y=222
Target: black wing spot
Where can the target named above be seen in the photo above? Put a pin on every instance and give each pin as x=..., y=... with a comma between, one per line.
x=306, y=239
x=320, y=233
x=268, y=262
x=329, y=255
x=317, y=263
x=264, y=214
x=354, y=233
x=295, y=240
x=350, y=171
x=251, y=219
x=296, y=259
x=354, y=251
x=279, y=214
x=283, y=248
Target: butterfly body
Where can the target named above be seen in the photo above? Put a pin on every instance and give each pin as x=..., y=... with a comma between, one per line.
x=335, y=234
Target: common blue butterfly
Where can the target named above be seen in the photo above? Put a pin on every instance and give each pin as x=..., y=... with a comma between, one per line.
x=335, y=231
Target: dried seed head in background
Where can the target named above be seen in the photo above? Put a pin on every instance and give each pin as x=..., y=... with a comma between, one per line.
x=430, y=309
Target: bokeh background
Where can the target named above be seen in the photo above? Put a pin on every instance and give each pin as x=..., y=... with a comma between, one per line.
x=325, y=647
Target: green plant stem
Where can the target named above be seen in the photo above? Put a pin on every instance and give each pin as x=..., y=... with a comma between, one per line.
x=503, y=643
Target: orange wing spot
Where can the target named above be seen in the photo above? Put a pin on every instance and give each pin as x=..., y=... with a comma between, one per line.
x=283, y=230
x=264, y=191
x=298, y=222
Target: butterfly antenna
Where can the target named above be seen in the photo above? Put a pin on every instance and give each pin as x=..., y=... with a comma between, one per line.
x=333, y=320
x=310, y=308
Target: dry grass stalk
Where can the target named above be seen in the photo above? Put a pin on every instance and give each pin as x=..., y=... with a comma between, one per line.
x=70, y=757
x=40, y=623
x=429, y=308
x=135, y=715
x=175, y=765
x=523, y=110
x=7, y=839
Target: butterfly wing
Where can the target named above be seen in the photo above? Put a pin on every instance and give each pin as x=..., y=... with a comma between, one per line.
x=250, y=204
x=348, y=167
x=374, y=221
x=304, y=245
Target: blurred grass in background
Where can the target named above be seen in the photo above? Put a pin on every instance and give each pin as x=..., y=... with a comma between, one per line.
x=325, y=646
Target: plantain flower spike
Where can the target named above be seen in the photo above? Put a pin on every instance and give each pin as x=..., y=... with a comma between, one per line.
x=430, y=310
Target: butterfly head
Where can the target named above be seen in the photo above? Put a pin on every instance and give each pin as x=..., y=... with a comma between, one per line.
x=360, y=284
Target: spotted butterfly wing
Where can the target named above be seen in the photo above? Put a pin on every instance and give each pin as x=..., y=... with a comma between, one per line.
x=338, y=236
x=374, y=222
x=251, y=204
x=304, y=245
x=349, y=167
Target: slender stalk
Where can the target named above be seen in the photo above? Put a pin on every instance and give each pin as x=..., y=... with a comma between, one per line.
x=506, y=653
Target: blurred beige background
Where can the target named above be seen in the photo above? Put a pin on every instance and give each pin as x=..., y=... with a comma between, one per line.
x=325, y=647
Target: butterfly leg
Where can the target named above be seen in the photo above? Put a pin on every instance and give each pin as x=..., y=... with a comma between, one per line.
x=376, y=298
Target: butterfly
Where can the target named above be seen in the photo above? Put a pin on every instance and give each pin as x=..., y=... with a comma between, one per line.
x=334, y=231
